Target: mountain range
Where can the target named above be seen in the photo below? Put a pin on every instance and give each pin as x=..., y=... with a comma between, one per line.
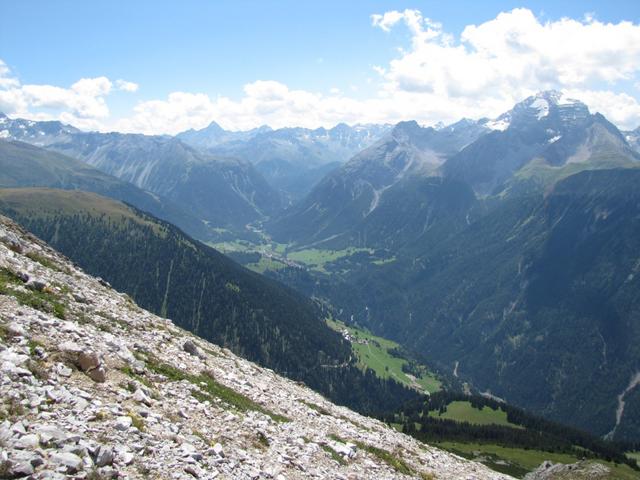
x=503, y=251
x=222, y=192
x=511, y=261
x=291, y=159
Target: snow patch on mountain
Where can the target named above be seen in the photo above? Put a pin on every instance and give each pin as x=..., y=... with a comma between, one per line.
x=542, y=106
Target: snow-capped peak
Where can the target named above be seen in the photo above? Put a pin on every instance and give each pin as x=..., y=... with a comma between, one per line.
x=501, y=123
x=542, y=105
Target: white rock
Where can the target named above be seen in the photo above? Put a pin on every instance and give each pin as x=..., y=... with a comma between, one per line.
x=66, y=462
x=218, y=450
x=123, y=423
x=63, y=370
x=29, y=441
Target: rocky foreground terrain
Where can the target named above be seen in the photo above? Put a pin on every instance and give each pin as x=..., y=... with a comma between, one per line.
x=92, y=386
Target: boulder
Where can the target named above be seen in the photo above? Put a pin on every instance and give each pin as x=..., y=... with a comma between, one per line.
x=104, y=456
x=27, y=442
x=123, y=423
x=88, y=361
x=191, y=348
x=66, y=462
x=218, y=450
x=98, y=375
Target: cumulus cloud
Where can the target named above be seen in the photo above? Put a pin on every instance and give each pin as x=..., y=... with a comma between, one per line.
x=126, y=86
x=510, y=56
x=7, y=80
x=83, y=104
x=438, y=77
x=435, y=77
x=179, y=112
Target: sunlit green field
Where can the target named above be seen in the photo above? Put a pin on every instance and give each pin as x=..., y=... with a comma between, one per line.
x=264, y=264
x=316, y=259
x=518, y=461
x=375, y=355
x=464, y=412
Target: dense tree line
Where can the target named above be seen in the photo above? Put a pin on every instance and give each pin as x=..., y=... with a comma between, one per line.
x=535, y=433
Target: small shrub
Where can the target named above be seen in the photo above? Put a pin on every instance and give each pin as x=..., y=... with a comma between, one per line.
x=387, y=457
x=136, y=420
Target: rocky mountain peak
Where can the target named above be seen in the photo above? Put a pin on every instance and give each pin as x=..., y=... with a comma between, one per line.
x=214, y=127
x=550, y=108
x=93, y=386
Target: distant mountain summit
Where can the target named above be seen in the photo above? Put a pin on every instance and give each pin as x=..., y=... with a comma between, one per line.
x=291, y=159
x=543, y=133
x=213, y=135
x=224, y=192
x=337, y=209
x=36, y=133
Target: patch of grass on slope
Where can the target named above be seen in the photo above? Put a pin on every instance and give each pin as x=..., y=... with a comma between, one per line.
x=44, y=202
x=375, y=353
x=461, y=411
x=264, y=264
x=518, y=461
x=44, y=300
x=210, y=389
x=316, y=258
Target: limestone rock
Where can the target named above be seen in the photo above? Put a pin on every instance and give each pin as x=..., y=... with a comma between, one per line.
x=66, y=462
x=191, y=348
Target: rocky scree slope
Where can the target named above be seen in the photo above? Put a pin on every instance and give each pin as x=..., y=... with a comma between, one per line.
x=92, y=386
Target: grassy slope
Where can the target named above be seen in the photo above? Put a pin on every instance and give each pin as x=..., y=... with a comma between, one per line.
x=518, y=461
x=375, y=355
x=313, y=258
x=42, y=201
x=316, y=259
x=464, y=412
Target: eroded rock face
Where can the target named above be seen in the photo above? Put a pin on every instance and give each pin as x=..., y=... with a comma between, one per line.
x=113, y=391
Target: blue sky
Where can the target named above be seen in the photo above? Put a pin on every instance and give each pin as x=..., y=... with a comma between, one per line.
x=216, y=48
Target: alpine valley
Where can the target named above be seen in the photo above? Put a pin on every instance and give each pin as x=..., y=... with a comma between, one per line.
x=473, y=285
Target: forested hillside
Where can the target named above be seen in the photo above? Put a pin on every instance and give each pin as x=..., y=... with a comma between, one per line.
x=201, y=290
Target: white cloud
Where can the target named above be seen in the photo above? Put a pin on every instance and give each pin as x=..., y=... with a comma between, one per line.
x=441, y=78
x=436, y=77
x=83, y=104
x=7, y=80
x=513, y=54
x=179, y=112
x=127, y=86
x=388, y=19
x=621, y=109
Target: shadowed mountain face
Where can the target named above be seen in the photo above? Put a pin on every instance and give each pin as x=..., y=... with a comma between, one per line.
x=535, y=300
x=225, y=192
x=292, y=160
x=347, y=202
